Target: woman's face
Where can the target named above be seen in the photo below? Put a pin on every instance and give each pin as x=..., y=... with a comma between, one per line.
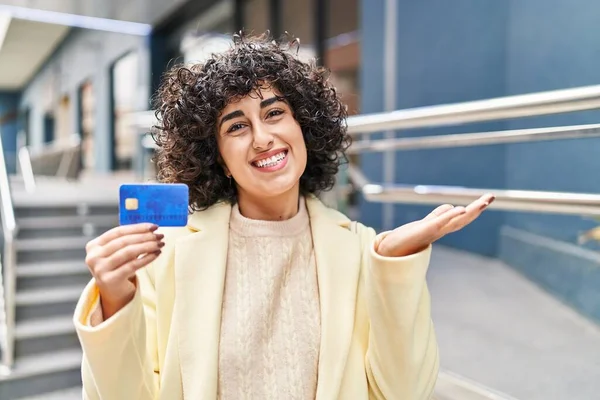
x=261, y=145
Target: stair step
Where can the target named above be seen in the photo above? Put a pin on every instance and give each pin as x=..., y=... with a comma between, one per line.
x=52, y=361
x=52, y=274
x=67, y=394
x=71, y=221
x=44, y=227
x=53, y=243
x=42, y=373
x=46, y=302
x=66, y=197
x=42, y=327
x=51, y=268
x=47, y=295
x=71, y=209
x=451, y=386
x=51, y=249
x=37, y=336
x=64, y=277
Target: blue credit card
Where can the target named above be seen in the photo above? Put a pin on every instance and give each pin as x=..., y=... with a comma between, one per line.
x=163, y=204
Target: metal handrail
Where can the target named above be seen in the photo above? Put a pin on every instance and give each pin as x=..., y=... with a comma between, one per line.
x=543, y=103
x=68, y=150
x=26, y=169
x=7, y=267
x=527, y=105
x=509, y=107
x=511, y=200
x=477, y=139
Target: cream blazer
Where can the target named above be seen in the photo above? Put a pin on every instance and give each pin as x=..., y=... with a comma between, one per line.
x=377, y=338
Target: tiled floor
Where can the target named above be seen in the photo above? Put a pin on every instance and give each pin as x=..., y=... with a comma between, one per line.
x=499, y=329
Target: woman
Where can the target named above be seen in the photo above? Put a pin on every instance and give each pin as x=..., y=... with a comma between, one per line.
x=267, y=293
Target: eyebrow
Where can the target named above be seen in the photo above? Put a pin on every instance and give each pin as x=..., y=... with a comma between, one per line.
x=239, y=113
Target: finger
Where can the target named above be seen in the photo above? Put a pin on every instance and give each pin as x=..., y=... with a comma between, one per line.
x=442, y=220
x=124, y=241
x=122, y=230
x=481, y=203
x=97, y=254
x=129, y=269
x=473, y=211
x=439, y=211
x=130, y=253
x=460, y=222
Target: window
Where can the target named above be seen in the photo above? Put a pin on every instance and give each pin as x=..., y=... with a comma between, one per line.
x=88, y=124
x=64, y=130
x=124, y=91
x=256, y=16
x=343, y=50
x=297, y=18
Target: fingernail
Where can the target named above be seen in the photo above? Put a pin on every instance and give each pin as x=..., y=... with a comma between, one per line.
x=157, y=252
x=491, y=200
x=161, y=244
x=159, y=236
x=153, y=228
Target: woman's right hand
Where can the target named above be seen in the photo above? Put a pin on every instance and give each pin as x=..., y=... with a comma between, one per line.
x=113, y=259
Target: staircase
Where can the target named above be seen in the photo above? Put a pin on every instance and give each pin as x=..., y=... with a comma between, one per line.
x=54, y=224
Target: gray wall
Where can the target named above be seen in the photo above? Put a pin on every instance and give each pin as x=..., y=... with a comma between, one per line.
x=85, y=55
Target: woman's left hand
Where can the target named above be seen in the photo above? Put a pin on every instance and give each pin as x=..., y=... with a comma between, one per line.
x=418, y=235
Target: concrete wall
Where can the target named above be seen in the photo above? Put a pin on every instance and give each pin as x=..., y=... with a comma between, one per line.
x=85, y=55
x=470, y=49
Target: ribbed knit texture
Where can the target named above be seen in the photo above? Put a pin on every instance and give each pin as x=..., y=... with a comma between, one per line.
x=270, y=327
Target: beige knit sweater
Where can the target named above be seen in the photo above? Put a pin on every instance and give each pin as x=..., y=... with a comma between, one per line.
x=270, y=327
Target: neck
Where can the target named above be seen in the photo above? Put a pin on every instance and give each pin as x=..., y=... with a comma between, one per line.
x=278, y=208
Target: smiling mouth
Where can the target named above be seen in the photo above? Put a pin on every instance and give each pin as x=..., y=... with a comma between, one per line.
x=271, y=161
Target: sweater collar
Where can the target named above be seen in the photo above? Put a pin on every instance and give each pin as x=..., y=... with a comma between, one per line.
x=220, y=214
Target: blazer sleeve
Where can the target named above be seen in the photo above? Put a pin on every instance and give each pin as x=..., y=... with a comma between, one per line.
x=120, y=358
x=402, y=359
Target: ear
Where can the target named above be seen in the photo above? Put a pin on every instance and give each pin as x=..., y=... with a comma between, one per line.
x=222, y=164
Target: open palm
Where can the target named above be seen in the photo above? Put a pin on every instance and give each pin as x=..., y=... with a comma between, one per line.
x=418, y=235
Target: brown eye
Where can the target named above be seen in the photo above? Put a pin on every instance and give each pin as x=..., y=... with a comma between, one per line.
x=235, y=127
x=274, y=113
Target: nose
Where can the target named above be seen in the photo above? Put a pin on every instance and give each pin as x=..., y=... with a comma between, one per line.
x=263, y=137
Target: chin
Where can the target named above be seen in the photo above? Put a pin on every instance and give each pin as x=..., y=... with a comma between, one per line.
x=275, y=189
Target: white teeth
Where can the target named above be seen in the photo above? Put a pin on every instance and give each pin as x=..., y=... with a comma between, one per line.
x=271, y=161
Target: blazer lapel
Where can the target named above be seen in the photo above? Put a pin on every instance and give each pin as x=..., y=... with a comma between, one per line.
x=338, y=257
x=200, y=262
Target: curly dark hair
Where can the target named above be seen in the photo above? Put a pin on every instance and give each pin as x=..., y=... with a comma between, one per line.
x=192, y=97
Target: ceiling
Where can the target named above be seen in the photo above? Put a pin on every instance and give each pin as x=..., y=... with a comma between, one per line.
x=26, y=46
x=31, y=39
x=141, y=11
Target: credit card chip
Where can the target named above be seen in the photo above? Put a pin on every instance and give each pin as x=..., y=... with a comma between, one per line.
x=131, y=204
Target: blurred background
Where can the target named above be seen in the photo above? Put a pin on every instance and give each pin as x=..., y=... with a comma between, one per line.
x=448, y=99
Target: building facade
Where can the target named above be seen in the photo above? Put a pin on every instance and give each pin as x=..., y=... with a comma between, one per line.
x=385, y=55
